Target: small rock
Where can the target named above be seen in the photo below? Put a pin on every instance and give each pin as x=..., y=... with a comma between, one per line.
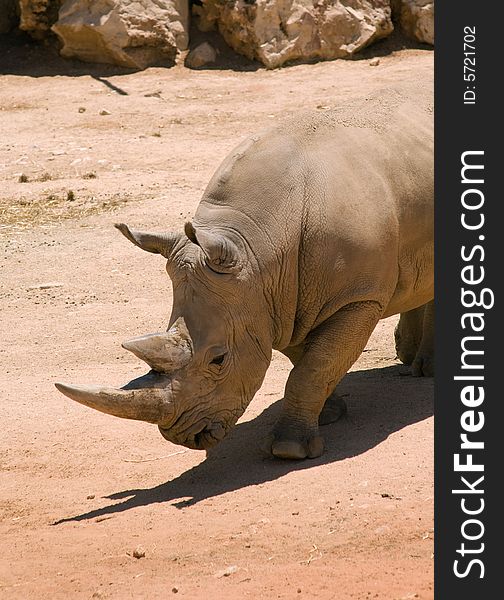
x=174, y=590
x=138, y=552
x=104, y=112
x=90, y=497
x=200, y=56
x=374, y=62
x=382, y=530
x=226, y=572
x=23, y=178
x=45, y=286
x=82, y=109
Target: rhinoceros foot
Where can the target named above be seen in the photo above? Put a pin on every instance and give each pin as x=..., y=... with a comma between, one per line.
x=296, y=450
x=334, y=408
x=423, y=366
x=293, y=442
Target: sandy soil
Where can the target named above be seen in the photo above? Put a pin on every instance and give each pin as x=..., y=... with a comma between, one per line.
x=80, y=491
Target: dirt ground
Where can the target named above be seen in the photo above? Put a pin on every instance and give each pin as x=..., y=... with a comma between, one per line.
x=81, y=491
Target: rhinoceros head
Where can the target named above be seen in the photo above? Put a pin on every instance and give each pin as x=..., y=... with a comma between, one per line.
x=207, y=367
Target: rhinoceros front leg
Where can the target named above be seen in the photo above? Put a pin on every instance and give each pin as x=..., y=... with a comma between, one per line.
x=414, y=338
x=334, y=407
x=328, y=353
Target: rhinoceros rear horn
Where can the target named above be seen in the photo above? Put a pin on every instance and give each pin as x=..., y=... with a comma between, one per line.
x=164, y=352
x=150, y=405
x=158, y=243
x=222, y=255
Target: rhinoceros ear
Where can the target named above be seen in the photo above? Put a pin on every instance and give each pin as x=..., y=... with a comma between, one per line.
x=158, y=243
x=222, y=255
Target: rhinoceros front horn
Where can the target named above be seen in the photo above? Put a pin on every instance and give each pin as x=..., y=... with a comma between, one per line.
x=164, y=352
x=150, y=405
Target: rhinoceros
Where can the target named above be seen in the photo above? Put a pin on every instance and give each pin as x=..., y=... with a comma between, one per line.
x=306, y=236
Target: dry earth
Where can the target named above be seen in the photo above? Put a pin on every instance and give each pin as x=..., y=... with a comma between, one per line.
x=80, y=491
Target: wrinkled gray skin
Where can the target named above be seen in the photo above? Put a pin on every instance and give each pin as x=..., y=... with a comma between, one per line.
x=305, y=237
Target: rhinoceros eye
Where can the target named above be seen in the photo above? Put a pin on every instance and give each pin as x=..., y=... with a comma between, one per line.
x=218, y=360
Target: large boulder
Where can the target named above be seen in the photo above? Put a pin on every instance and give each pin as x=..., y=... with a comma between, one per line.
x=416, y=18
x=279, y=31
x=37, y=16
x=129, y=33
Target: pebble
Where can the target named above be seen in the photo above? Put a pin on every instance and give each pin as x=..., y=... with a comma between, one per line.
x=374, y=62
x=139, y=552
x=226, y=572
x=45, y=286
x=200, y=56
x=104, y=112
x=82, y=109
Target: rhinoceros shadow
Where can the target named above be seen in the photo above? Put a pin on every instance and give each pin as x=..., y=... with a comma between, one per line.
x=380, y=402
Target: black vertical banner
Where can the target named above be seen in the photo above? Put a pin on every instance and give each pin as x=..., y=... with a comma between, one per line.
x=469, y=419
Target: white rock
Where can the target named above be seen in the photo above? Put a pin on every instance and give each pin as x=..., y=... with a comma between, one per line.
x=417, y=19
x=200, y=56
x=45, y=286
x=226, y=572
x=128, y=33
x=275, y=32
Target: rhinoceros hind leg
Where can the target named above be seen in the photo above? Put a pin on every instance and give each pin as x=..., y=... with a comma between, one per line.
x=424, y=359
x=423, y=366
x=414, y=338
x=334, y=408
x=408, y=334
